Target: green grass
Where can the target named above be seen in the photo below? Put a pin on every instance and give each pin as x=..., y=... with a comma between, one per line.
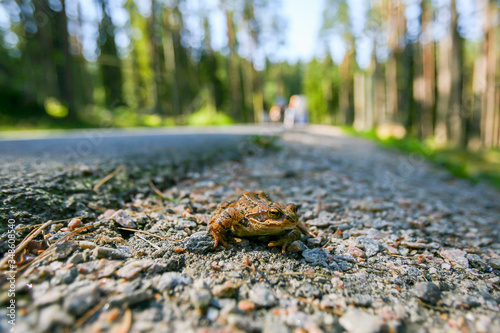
x=480, y=166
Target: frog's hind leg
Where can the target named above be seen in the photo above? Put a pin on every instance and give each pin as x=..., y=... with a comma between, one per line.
x=287, y=239
x=221, y=225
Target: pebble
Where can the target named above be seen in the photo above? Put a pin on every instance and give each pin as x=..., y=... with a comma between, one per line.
x=199, y=242
x=212, y=314
x=246, y=305
x=495, y=263
x=358, y=321
x=67, y=275
x=130, y=298
x=456, y=257
x=296, y=246
x=64, y=249
x=225, y=290
x=315, y=257
x=87, y=244
x=109, y=253
x=170, y=280
x=131, y=270
x=370, y=246
x=74, y=223
x=476, y=262
x=124, y=219
x=427, y=292
x=107, y=268
x=51, y=315
x=200, y=298
x=82, y=300
x=75, y=259
x=262, y=296
x=355, y=252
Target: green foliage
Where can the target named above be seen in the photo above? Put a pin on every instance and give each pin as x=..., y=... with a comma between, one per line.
x=55, y=109
x=208, y=115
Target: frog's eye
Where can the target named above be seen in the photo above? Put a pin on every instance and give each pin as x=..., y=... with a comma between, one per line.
x=274, y=213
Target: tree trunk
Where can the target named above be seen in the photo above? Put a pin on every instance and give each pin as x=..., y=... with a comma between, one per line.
x=63, y=60
x=455, y=121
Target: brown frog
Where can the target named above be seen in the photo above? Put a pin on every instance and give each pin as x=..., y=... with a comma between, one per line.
x=255, y=214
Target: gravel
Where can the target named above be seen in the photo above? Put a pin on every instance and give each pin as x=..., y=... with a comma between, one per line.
x=401, y=246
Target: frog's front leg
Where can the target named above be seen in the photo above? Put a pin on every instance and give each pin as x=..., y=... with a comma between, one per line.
x=287, y=239
x=220, y=225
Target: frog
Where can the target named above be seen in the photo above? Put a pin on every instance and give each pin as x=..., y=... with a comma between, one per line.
x=255, y=214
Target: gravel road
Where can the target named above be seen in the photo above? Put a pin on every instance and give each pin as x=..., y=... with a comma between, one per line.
x=401, y=244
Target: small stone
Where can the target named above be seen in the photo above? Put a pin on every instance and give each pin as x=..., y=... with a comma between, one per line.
x=296, y=246
x=225, y=290
x=356, y=252
x=199, y=242
x=315, y=257
x=212, y=314
x=200, y=299
x=358, y=321
x=130, y=270
x=75, y=259
x=51, y=316
x=262, y=296
x=107, y=267
x=456, y=257
x=495, y=263
x=314, y=242
x=427, y=292
x=308, y=290
x=415, y=245
x=370, y=246
x=446, y=266
x=170, y=280
x=476, y=262
x=51, y=296
x=82, y=300
x=67, y=275
x=483, y=324
x=186, y=223
x=74, y=223
x=124, y=219
x=432, y=270
x=109, y=253
x=131, y=298
x=246, y=305
x=64, y=249
x=87, y=244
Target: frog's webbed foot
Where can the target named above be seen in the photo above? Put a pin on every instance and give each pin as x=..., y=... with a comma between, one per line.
x=220, y=238
x=286, y=240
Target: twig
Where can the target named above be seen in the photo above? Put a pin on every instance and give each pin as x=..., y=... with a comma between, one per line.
x=150, y=243
x=25, y=242
x=124, y=326
x=142, y=231
x=251, y=267
x=108, y=177
x=160, y=193
x=91, y=312
x=37, y=225
x=49, y=251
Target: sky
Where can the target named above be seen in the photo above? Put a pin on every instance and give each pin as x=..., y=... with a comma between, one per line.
x=303, y=17
x=304, y=22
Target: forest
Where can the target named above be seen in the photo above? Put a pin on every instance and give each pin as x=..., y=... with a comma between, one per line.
x=428, y=66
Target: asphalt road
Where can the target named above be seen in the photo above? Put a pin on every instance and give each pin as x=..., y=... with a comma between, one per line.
x=101, y=145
